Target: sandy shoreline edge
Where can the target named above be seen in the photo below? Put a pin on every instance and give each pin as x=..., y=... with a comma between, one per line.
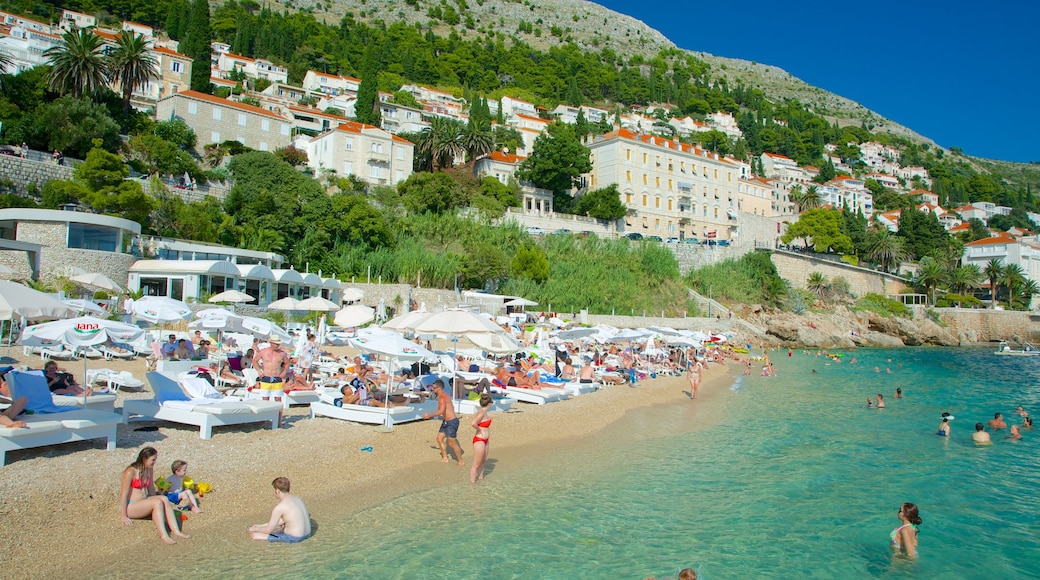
x=61, y=501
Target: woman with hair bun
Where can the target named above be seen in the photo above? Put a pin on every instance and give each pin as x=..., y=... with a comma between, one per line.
x=904, y=538
x=482, y=423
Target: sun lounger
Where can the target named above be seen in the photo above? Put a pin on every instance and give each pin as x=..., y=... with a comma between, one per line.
x=536, y=396
x=251, y=377
x=110, y=353
x=573, y=388
x=172, y=404
x=59, y=353
x=369, y=415
x=33, y=385
x=503, y=401
x=53, y=424
x=88, y=352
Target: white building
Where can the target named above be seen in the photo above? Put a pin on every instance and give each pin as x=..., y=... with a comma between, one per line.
x=1007, y=250
x=71, y=20
x=368, y=152
x=24, y=43
x=501, y=166
x=330, y=84
x=401, y=119
x=569, y=114
x=725, y=122
x=513, y=106
x=254, y=68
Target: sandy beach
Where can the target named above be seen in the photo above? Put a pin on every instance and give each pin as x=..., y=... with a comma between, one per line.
x=58, y=503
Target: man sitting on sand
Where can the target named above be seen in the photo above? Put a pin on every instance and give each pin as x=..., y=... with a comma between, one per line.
x=290, y=521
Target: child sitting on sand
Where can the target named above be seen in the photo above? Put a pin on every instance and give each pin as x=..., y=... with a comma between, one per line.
x=177, y=494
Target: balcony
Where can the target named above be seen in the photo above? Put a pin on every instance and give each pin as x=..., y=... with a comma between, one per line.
x=374, y=157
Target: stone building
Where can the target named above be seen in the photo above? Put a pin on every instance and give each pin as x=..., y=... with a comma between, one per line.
x=216, y=120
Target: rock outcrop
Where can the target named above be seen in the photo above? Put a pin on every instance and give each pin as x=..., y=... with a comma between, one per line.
x=843, y=328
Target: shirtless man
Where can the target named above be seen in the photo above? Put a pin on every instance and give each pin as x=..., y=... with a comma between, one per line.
x=290, y=521
x=588, y=373
x=448, y=433
x=997, y=422
x=273, y=365
x=980, y=435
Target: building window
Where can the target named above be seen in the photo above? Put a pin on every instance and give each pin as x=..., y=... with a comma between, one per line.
x=400, y=153
x=669, y=185
x=398, y=176
x=628, y=199
x=284, y=128
x=644, y=179
x=263, y=146
x=644, y=200
x=348, y=168
x=657, y=182
x=91, y=237
x=349, y=145
x=644, y=158
x=176, y=67
x=657, y=202
x=628, y=176
x=374, y=171
x=216, y=114
x=242, y=120
x=669, y=205
x=628, y=154
x=193, y=108
x=214, y=137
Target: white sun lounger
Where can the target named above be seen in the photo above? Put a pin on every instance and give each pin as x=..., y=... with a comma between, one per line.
x=536, y=396
x=52, y=428
x=370, y=415
x=110, y=354
x=173, y=405
x=251, y=377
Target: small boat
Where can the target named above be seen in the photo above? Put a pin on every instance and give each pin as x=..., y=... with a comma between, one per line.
x=1028, y=349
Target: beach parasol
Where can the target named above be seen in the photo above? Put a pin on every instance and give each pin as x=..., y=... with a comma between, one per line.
x=317, y=304
x=231, y=296
x=97, y=280
x=30, y=304
x=81, y=306
x=351, y=294
x=82, y=331
x=160, y=309
x=457, y=323
x=521, y=302
x=227, y=321
x=396, y=347
x=354, y=315
x=287, y=303
x=406, y=321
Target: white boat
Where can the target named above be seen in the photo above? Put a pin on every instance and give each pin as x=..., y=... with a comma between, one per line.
x=1028, y=349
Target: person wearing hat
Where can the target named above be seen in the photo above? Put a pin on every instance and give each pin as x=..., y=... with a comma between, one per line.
x=447, y=435
x=944, y=427
x=273, y=365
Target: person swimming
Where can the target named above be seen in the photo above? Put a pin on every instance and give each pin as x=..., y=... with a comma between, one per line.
x=904, y=538
x=944, y=427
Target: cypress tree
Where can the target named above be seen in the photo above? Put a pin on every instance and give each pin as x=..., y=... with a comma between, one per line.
x=196, y=45
x=366, y=110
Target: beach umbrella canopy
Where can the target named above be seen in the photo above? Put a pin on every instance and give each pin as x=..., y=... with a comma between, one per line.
x=495, y=343
x=407, y=321
x=287, y=303
x=81, y=331
x=225, y=321
x=231, y=296
x=28, y=303
x=352, y=294
x=97, y=280
x=158, y=309
x=317, y=303
x=576, y=333
x=521, y=302
x=456, y=323
x=84, y=306
x=391, y=344
x=354, y=315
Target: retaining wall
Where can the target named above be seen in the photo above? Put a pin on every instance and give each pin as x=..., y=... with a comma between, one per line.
x=796, y=269
x=978, y=325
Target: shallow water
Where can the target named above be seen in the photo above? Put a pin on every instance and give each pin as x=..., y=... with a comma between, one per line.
x=797, y=479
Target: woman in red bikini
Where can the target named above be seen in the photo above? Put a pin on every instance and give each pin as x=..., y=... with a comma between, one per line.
x=482, y=423
x=138, y=500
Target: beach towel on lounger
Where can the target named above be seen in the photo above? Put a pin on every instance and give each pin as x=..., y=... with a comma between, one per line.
x=34, y=388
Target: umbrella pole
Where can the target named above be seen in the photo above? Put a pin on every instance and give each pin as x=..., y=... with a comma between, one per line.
x=387, y=427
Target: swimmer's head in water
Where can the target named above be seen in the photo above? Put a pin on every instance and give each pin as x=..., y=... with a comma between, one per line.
x=980, y=427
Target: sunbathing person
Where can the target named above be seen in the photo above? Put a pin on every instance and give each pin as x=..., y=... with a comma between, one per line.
x=9, y=416
x=61, y=382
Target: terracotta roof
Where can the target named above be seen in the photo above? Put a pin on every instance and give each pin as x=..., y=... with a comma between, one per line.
x=961, y=227
x=335, y=76
x=316, y=111
x=225, y=103
x=163, y=50
x=104, y=34
x=505, y=157
x=539, y=119
x=778, y=156
x=1001, y=238
x=238, y=57
x=812, y=167
x=921, y=192
x=355, y=127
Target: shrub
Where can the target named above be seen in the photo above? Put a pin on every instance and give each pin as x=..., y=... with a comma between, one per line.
x=883, y=305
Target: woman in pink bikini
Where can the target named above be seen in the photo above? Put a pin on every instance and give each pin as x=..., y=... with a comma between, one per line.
x=138, y=500
x=482, y=423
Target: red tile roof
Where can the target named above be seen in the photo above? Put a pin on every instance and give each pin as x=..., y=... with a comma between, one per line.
x=1001, y=238
x=173, y=53
x=355, y=127
x=225, y=103
x=505, y=157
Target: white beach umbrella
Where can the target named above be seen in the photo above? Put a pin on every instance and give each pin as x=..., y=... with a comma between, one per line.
x=97, y=280
x=317, y=304
x=394, y=346
x=354, y=315
x=82, y=331
x=159, y=309
x=81, y=306
x=351, y=294
x=495, y=343
x=29, y=304
x=456, y=323
x=231, y=296
x=407, y=321
x=576, y=333
x=521, y=302
x=287, y=303
x=226, y=321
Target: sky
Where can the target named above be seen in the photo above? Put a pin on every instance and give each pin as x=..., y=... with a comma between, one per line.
x=956, y=72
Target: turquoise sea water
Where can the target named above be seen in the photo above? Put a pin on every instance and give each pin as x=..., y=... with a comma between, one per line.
x=797, y=479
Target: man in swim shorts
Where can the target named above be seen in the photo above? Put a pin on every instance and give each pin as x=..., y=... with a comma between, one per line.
x=290, y=521
x=447, y=435
x=273, y=365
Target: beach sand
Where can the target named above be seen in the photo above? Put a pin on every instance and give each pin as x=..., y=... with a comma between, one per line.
x=59, y=510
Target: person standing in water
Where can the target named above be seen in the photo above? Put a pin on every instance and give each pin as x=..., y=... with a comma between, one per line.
x=447, y=435
x=903, y=539
x=880, y=402
x=481, y=439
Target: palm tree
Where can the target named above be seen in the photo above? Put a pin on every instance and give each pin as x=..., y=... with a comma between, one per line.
x=1013, y=279
x=993, y=272
x=796, y=195
x=442, y=141
x=132, y=65
x=812, y=198
x=476, y=139
x=6, y=62
x=929, y=275
x=887, y=249
x=963, y=278
x=1026, y=292
x=817, y=283
x=77, y=64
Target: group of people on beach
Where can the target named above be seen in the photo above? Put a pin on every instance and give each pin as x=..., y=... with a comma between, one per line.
x=140, y=498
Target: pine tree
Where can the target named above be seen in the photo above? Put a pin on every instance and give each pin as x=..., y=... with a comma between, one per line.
x=581, y=125
x=573, y=94
x=196, y=41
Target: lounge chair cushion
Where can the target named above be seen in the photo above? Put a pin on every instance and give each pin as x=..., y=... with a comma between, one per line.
x=34, y=388
x=224, y=409
x=34, y=428
x=75, y=402
x=166, y=389
x=262, y=406
x=85, y=418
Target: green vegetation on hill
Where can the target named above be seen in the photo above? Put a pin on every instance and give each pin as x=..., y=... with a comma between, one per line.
x=751, y=279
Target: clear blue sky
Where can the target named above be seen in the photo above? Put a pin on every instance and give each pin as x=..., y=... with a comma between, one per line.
x=965, y=74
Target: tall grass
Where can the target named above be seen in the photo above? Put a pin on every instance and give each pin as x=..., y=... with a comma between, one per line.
x=750, y=279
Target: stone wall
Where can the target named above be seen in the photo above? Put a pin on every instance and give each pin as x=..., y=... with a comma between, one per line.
x=977, y=325
x=796, y=269
x=55, y=257
x=22, y=172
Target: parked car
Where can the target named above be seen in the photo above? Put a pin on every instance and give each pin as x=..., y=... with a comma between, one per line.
x=655, y=238
x=8, y=150
x=562, y=232
x=634, y=236
x=672, y=241
x=535, y=231
x=691, y=241
x=723, y=243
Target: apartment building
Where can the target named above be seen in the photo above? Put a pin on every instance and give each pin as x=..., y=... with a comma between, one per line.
x=71, y=20
x=757, y=196
x=1007, y=249
x=24, y=42
x=569, y=114
x=330, y=84
x=368, y=152
x=885, y=180
x=670, y=189
x=255, y=68
x=502, y=166
x=513, y=106
x=216, y=120
x=924, y=196
x=401, y=119
x=846, y=191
